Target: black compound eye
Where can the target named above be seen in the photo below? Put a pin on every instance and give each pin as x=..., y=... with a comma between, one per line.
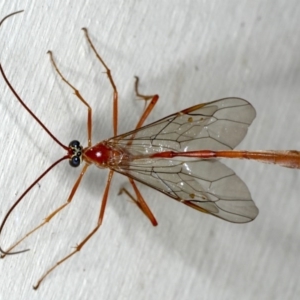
x=75, y=151
x=74, y=161
x=74, y=144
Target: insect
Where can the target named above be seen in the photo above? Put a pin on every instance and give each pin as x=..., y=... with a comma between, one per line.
x=177, y=155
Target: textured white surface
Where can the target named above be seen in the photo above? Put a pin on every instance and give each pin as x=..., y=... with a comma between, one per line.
x=188, y=52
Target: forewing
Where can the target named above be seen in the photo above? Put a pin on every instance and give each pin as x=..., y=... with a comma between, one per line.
x=217, y=125
x=206, y=185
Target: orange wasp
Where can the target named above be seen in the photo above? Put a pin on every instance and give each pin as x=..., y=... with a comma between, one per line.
x=177, y=155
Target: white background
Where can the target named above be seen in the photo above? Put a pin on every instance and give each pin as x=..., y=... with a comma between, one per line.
x=188, y=52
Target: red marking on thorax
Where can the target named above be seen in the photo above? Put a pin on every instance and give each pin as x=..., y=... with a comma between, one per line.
x=102, y=155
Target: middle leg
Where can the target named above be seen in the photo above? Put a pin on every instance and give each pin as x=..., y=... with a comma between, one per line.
x=139, y=199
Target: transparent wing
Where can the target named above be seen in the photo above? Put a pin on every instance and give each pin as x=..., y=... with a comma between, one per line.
x=217, y=125
x=206, y=185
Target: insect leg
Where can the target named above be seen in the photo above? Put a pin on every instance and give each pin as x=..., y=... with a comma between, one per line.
x=81, y=244
x=137, y=93
x=77, y=93
x=108, y=73
x=140, y=202
x=49, y=217
x=149, y=108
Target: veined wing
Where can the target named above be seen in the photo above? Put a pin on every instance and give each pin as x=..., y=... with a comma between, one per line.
x=206, y=185
x=217, y=125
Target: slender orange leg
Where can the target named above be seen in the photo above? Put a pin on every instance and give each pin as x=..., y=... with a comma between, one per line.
x=154, y=98
x=49, y=217
x=82, y=243
x=139, y=200
x=108, y=73
x=77, y=93
x=149, y=108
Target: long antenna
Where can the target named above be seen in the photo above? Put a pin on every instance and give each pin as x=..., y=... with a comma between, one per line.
x=14, y=13
x=19, y=98
x=31, y=113
x=21, y=197
x=46, y=129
